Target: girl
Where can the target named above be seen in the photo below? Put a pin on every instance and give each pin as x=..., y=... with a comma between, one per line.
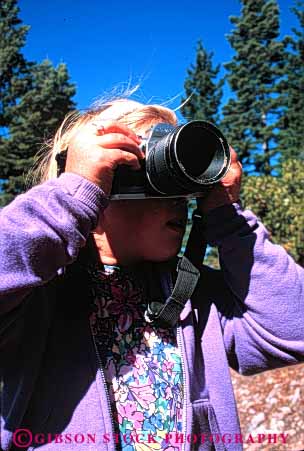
x=82, y=369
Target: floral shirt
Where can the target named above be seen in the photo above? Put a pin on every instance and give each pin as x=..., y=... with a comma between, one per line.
x=142, y=364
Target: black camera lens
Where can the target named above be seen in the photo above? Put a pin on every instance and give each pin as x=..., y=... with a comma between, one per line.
x=187, y=159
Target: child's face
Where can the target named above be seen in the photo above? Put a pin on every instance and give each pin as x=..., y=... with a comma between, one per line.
x=150, y=229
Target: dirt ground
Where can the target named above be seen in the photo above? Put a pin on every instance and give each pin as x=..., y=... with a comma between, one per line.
x=272, y=403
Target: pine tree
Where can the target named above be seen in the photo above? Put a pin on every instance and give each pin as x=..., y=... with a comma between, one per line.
x=254, y=74
x=31, y=114
x=37, y=116
x=202, y=88
x=291, y=127
x=13, y=66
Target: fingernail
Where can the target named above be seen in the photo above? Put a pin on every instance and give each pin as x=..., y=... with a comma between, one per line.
x=100, y=130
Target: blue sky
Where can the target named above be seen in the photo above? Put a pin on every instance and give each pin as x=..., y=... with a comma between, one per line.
x=108, y=43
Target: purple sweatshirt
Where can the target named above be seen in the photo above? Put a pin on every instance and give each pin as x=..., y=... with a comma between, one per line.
x=248, y=315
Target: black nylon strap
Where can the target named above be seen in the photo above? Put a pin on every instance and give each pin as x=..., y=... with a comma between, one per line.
x=167, y=315
x=196, y=245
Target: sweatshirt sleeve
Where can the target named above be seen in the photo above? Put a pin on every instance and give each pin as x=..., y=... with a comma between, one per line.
x=42, y=231
x=263, y=323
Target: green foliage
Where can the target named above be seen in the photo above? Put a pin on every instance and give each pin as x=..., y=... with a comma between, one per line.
x=202, y=89
x=292, y=87
x=211, y=257
x=13, y=67
x=278, y=202
x=36, y=117
x=254, y=74
x=34, y=99
x=263, y=118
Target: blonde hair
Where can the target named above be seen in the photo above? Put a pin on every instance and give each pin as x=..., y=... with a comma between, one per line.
x=129, y=112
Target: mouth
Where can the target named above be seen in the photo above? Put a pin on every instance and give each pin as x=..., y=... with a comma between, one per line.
x=178, y=225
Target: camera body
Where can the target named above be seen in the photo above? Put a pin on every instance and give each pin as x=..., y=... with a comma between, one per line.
x=183, y=161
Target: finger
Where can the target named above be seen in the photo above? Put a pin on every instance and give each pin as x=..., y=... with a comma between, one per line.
x=122, y=157
x=233, y=176
x=105, y=127
x=119, y=141
x=234, y=157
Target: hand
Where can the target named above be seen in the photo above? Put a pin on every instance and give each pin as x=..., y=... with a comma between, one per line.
x=227, y=191
x=96, y=150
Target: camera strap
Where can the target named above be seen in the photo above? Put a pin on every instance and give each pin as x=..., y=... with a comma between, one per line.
x=188, y=273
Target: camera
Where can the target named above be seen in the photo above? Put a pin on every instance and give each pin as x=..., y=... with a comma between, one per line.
x=182, y=161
